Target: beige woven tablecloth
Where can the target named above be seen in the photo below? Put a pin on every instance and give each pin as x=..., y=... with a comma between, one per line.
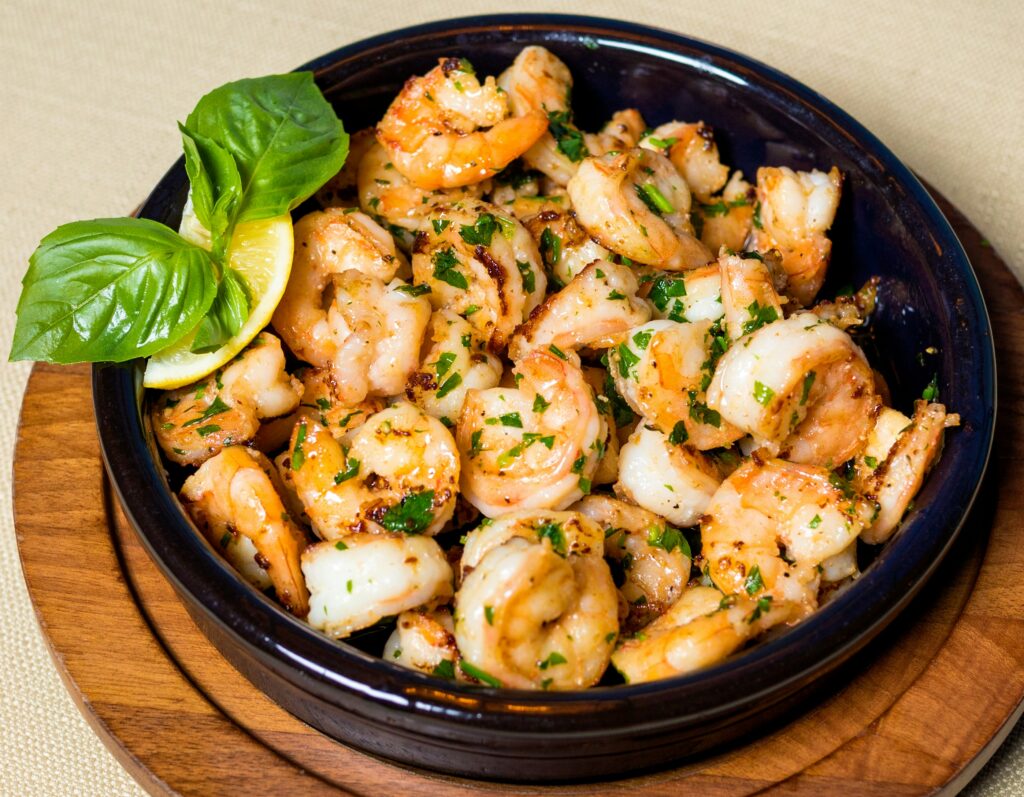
x=88, y=101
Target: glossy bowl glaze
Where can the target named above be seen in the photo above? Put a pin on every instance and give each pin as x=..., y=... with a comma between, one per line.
x=887, y=225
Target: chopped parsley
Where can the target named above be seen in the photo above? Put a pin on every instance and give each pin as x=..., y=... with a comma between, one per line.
x=815, y=522
x=412, y=516
x=489, y=614
x=529, y=438
x=554, y=534
x=480, y=675
x=557, y=352
x=444, y=363
x=446, y=268
x=414, y=290
x=350, y=472
x=445, y=669
x=540, y=403
x=511, y=419
x=440, y=225
x=627, y=360
x=642, y=338
x=931, y=392
x=341, y=546
x=808, y=384
x=754, y=582
x=702, y=413
x=215, y=408
x=668, y=539
x=567, y=135
x=480, y=233
x=298, y=457
x=759, y=316
x=679, y=435
x=763, y=394
x=651, y=196
x=529, y=279
x=553, y=659
x=550, y=247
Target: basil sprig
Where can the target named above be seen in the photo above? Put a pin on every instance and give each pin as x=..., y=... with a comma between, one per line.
x=116, y=289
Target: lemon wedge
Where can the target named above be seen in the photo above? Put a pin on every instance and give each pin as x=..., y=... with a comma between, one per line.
x=261, y=251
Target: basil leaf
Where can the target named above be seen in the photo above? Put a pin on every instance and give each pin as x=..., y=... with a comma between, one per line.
x=216, y=186
x=226, y=315
x=110, y=290
x=284, y=137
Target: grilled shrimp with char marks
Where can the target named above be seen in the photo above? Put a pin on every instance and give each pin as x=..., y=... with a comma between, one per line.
x=398, y=472
x=801, y=387
x=701, y=629
x=482, y=264
x=447, y=129
x=655, y=558
x=772, y=523
x=532, y=446
x=638, y=205
x=537, y=608
x=234, y=500
x=193, y=423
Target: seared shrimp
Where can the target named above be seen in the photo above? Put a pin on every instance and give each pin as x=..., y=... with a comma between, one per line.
x=726, y=220
x=802, y=388
x=424, y=640
x=749, y=298
x=638, y=205
x=538, y=608
x=598, y=304
x=539, y=83
x=662, y=369
x=195, y=422
x=386, y=193
x=655, y=558
x=433, y=128
x=453, y=361
x=692, y=150
x=794, y=211
x=691, y=296
x=565, y=247
x=770, y=525
x=232, y=498
x=701, y=629
x=670, y=479
x=399, y=473
x=623, y=131
x=532, y=446
x=899, y=453
x=356, y=581
x=482, y=264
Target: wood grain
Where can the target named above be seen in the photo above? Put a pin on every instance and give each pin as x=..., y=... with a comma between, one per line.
x=917, y=712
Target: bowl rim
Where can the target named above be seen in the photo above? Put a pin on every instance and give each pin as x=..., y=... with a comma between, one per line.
x=192, y=566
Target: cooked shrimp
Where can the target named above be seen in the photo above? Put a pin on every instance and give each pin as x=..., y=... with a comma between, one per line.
x=637, y=205
x=691, y=296
x=195, y=422
x=340, y=191
x=232, y=498
x=532, y=446
x=424, y=640
x=566, y=532
x=541, y=612
x=480, y=263
x=794, y=211
x=399, y=473
x=662, y=369
x=565, y=246
x=726, y=220
x=749, y=298
x=802, y=388
x=598, y=304
x=771, y=524
x=669, y=479
x=432, y=130
x=539, y=83
x=701, y=629
x=386, y=193
x=356, y=581
x=350, y=255
x=899, y=453
x=623, y=131
x=454, y=360
x=655, y=558
x=608, y=452
x=692, y=150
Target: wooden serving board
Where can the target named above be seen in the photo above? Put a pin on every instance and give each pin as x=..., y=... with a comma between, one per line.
x=918, y=712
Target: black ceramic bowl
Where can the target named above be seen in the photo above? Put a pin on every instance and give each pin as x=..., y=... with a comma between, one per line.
x=887, y=225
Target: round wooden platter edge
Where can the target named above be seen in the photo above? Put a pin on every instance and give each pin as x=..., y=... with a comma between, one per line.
x=922, y=710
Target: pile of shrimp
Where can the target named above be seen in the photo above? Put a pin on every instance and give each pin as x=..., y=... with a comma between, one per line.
x=549, y=403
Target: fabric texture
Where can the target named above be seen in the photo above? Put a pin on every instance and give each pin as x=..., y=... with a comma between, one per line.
x=91, y=93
